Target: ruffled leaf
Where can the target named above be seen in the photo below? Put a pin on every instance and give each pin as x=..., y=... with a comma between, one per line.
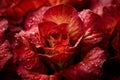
x=3, y=27
x=89, y=69
x=18, y=8
x=28, y=59
x=111, y=16
x=109, y=10
x=53, y=35
x=30, y=38
x=66, y=14
x=93, y=33
x=56, y=50
x=44, y=29
x=34, y=18
x=5, y=54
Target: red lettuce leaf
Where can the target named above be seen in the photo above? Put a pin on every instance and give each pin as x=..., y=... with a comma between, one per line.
x=28, y=59
x=57, y=49
x=93, y=31
x=17, y=9
x=34, y=18
x=109, y=10
x=30, y=38
x=3, y=27
x=5, y=54
x=89, y=69
x=66, y=14
x=54, y=35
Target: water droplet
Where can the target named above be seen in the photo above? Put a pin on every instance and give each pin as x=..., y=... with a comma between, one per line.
x=33, y=33
x=28, y=66
x=26, y=48
x=5, y=55
x=28, y=59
